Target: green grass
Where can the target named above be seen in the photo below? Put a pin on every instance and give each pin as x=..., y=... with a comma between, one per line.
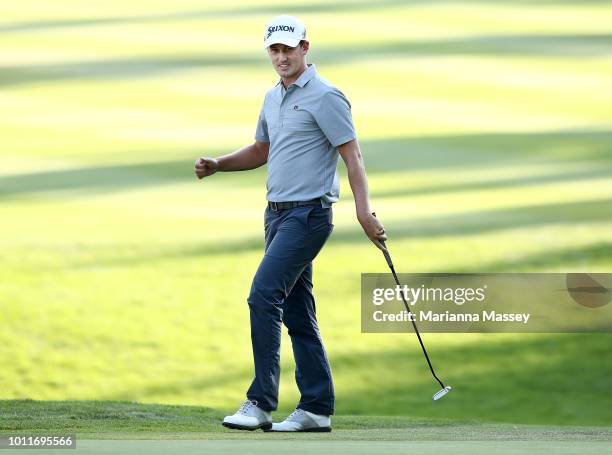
x=125, y=420
x=486, y=132
x=123, y=427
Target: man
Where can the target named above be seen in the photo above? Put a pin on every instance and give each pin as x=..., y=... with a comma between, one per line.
x=304, y=124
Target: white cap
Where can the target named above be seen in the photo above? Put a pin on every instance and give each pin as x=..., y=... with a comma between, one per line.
x=286, y=30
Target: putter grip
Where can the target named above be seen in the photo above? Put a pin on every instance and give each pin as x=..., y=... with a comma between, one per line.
x=385, y=253
x=387, y=256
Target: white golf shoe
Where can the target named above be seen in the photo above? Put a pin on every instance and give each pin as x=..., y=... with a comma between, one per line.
x=300, y=420
x=249, y=417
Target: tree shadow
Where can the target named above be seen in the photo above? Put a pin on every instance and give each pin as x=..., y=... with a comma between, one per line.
x=89, y=180
x=545, y=379
x=258, y=10
x=120, y=68
x=84, y=415
x=444, y=152
x=489, y=45
x=596, y=210
x=509, y=45
x=570, y=258
x=197, y=15
x=481, y=221
x=504, y=183
x=550, y=379
x=482, y=150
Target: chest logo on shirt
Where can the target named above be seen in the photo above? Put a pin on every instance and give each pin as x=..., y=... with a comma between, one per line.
x=296, y=107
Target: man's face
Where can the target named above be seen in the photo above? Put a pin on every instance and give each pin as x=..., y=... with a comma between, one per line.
x=288, y=61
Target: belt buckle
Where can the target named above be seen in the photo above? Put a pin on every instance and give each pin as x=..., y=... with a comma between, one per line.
x=274, y=206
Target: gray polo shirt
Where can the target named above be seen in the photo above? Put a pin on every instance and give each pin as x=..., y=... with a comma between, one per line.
x=304, y=124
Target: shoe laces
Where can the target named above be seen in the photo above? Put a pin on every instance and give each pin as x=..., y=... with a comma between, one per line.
x=295, y=414
x=246, y=406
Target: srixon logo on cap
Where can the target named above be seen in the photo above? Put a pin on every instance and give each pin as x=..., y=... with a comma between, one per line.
x=279, y=28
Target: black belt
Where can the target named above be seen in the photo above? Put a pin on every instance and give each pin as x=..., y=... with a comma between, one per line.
x=276, y=206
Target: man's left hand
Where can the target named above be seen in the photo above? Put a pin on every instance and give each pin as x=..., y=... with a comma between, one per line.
x=373, y=229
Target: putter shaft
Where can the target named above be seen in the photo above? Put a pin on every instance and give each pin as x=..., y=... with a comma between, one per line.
x=416, y=330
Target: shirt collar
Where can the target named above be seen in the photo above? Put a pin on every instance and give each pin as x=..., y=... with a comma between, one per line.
x=301, y=81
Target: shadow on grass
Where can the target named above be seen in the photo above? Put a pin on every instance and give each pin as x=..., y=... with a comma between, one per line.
x=264, y=9
x=494, y=150
x=544, y=46
x=508, y=45
x=198, y=15
x=568, y=258
x=546, y=379
x=501, y=183
x=447, y=152
x=84, y=181
x=596, y=210
x=121, y=68
x=104, y=416
x=552, y=379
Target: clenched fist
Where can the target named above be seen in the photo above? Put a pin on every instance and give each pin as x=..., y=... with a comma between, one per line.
x=205, y=167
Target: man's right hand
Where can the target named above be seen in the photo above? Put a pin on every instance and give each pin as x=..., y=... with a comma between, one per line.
x=205, y=167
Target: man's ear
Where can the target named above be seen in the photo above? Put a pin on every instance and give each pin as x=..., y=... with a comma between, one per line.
x=305, y=45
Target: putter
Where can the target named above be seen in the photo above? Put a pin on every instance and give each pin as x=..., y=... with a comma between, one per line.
x=445, y=389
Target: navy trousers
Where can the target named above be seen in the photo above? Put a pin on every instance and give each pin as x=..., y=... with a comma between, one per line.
x=281, y=293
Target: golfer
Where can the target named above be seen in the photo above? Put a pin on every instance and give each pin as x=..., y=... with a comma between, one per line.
x=304, y=124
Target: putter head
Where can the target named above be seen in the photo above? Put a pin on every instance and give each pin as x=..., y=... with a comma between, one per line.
x=442, y=392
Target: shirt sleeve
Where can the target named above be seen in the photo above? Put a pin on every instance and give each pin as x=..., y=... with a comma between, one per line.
x=261, y=133
x=335, y=119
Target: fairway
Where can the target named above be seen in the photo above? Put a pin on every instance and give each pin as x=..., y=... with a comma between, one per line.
x=486, y=133
x=333, y=447
x=362, y=447
x=120, y=427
